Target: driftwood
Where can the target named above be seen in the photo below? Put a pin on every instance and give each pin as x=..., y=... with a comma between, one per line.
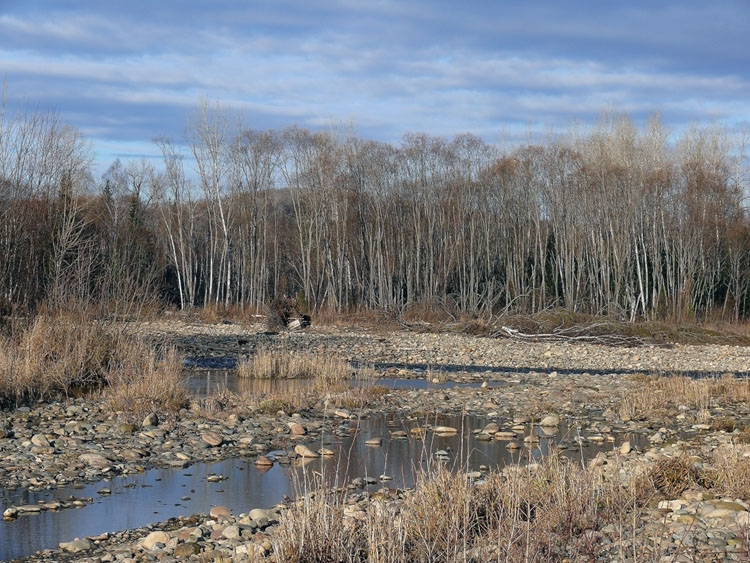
x=573, y=334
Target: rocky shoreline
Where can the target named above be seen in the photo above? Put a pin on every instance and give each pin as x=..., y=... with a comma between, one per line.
x=586, y=386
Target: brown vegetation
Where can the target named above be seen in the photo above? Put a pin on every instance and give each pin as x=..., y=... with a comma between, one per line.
x=655, y=394
x=614, y=221
x=536, y=513
x=147, y=384
x=67, y=352
x=328, y=371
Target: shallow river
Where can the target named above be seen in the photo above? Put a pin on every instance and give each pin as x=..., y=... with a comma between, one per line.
x=159, y=494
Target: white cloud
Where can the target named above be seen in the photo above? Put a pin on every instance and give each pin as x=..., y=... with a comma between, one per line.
x=391, y=67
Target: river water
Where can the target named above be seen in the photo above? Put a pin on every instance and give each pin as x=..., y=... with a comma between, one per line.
x=158, y=494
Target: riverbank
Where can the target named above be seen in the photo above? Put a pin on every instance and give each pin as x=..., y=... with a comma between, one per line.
x=598, y=395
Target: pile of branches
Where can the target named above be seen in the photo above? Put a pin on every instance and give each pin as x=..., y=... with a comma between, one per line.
x=595, y=333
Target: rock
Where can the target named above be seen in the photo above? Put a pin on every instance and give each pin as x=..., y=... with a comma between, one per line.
x=670, y=505
x=263, y=517
x=303, y=451
x=154, y=538
x=491, y=428
x=325, y=452
x=625, y=448
x=729, y=505
x=95, y=460
x=550, y=420
x=29, y=509
x=231, y=532
x=263, y=461
x=150, y=420
x=297, y=429
x=127, y=428
x=76, y=546
x=132, y=454
x=341, y=413
x=10, y=513
x=502, y=435
x=219, y=512
x=40, y=440
x=247, y=441
x=212, y=438
x=374, y=442
x=186, y=550
x=444, y=430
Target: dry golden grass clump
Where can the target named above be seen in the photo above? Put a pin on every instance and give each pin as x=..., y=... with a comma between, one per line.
x=729, y=472
x=331, y=386
x=543, y=512
x=672, y=476
x=55, y=354
x=59, y=353
x=329, y=372
x=271, y=364
x=147, y=384
x=656, y=394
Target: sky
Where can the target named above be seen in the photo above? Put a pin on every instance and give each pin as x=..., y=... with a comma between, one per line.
x=126, y=72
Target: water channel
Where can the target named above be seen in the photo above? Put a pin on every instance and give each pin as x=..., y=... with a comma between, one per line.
x=158, y=494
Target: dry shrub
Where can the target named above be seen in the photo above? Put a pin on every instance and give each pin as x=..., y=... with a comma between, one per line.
x=430, y=311
x=287, y=402
x=729, y=474
x=539, y=513
x=56, y=353
x=371, y=318
x=655, y=394
x=145, y=384
x=672, y=476
x=328, y=371
x=209, y=314
x=724, y=424
x=315, y=530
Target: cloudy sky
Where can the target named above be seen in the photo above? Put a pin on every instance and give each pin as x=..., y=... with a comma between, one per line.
x=125, y=72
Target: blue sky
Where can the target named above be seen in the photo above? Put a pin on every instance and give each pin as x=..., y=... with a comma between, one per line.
x=125, y=72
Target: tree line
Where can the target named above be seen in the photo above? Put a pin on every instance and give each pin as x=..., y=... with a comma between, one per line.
x=614, y=219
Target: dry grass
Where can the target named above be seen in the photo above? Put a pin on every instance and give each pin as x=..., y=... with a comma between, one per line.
x=147, y=384
x=536, y=513
x=729, y=474
x=55, y=354
x=672, y=476
x=655, y=395
x=58, y=353
x=272, y=364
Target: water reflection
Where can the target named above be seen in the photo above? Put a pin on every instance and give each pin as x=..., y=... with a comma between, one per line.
x=163, y=493
x=207, y=382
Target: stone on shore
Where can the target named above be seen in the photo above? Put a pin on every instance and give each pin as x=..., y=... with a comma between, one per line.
x=212, y=438
x=154, y=538
x=303, y=451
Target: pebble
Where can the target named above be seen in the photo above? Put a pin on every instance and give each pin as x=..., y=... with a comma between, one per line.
x=303, y=451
